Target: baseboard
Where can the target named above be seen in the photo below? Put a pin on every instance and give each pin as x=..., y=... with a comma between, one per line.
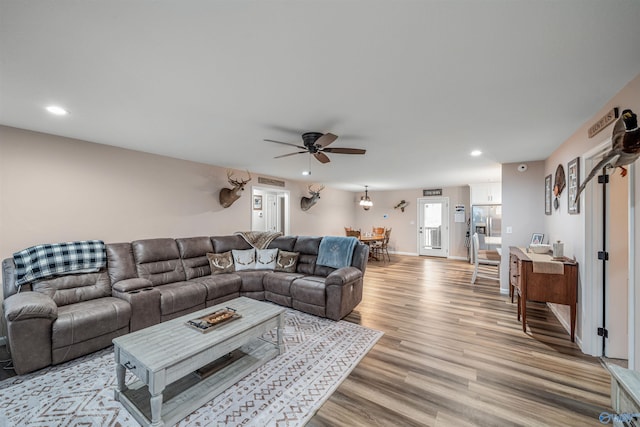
x=560, y=318
x=403, y=253
x=459, y=258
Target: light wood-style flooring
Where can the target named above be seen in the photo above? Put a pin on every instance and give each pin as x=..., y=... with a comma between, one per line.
x=454, y=354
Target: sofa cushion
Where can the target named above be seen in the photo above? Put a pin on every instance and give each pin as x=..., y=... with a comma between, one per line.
x=287, y=261
x=284, y=243
x=266, y=259
x=221, y=263
x=74, y=288
x=310, y=290
x=88, y=319
x=220, y=285
x=179, y=296
x=252, y=280
x=158, y=260
x=227, y=243
x=120, y=262
x=244, y=259
x=308, y=249
x=193, y=251
x=323, y=270
x=280, y=282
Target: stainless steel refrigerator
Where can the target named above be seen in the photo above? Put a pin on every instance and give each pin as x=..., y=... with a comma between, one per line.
x=486, y=220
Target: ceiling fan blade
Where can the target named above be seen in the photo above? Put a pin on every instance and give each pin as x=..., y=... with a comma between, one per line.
x=290, y=154
x=345, y=150
x=326, y=139
x=287, y=143
x=322, y=158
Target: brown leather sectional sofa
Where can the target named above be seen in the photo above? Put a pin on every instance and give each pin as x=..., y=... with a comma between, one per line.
x=149, y=281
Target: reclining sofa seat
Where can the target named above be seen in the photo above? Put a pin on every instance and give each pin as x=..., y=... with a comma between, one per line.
x=58, y=319
x=150, y=281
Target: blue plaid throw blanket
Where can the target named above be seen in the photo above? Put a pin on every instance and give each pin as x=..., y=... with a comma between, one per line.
x=38, y=262
x=336, y=251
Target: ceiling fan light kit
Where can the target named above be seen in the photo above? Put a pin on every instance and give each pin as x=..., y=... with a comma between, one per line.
x=365, y=201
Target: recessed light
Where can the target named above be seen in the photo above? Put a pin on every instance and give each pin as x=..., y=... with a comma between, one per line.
x=305, y=173
x=476, y=153
x=58, y=111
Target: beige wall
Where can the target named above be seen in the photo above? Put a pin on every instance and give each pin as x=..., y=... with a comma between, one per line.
x=404, y=224
x=522, y=209
x=55, y=189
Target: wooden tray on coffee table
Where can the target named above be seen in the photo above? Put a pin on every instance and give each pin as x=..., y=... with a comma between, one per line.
x=213, y=320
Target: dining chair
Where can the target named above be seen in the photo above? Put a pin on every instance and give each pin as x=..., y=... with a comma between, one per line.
x=378, y=231
x=353, y=233
x=380, y=248
x=484, y=257
x=481, y=243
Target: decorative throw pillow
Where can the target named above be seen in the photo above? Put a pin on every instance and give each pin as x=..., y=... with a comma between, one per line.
x=221, y=263
x=287, y=261
x=244, y=259
x=266, y=259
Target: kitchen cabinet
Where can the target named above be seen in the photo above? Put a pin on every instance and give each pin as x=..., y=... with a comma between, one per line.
x=489, y=193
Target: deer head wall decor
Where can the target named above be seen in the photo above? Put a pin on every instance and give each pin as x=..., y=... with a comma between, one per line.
x=230, y=195
x=307, y=202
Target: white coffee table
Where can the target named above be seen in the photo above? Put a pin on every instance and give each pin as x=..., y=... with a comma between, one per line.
x=165, y=358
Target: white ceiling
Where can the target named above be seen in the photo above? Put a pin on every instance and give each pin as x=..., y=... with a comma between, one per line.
x=418, y=84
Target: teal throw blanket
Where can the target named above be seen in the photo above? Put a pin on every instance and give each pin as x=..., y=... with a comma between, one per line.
x=336, y=252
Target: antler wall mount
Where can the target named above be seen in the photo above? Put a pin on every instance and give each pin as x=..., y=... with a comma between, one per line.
x=229, y=195
x=307, y=202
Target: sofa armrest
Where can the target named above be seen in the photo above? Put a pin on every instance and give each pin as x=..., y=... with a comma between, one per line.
x=30, y=305
x=30, y=316
x=342, y=276
x=145, y=305
x=134, y=284
x=344, y=292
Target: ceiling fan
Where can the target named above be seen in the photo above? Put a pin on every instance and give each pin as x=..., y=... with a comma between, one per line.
x=316, y=143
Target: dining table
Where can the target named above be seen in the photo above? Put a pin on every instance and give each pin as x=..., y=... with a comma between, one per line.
x=369, y=240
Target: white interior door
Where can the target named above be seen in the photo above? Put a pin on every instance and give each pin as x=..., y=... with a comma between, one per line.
x=271, y=212
x=433, y=226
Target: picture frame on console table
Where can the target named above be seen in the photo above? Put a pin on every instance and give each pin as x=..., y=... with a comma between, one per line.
x=573, y=182
x=547, y=195
x=537, y=238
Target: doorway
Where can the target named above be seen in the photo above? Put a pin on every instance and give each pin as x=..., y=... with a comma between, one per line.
x=270, y=210
x=608, y=222
x=433, y=226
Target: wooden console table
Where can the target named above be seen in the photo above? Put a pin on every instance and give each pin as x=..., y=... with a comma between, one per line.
x=542, y=287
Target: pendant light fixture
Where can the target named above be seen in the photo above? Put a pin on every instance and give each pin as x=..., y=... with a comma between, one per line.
x=365, y=201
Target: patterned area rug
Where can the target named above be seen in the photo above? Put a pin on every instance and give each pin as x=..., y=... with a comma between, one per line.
x=287, y=391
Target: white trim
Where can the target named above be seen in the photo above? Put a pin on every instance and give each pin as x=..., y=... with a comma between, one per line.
x=563, y=321
x=460, y=258
x=403, y=253
x=631, y=297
